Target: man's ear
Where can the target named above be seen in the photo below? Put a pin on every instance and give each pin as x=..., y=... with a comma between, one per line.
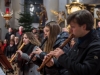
x=84, y=26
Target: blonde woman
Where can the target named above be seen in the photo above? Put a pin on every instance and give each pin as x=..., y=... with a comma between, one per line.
x=23, y=55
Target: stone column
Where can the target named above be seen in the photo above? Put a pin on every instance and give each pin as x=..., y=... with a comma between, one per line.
x=17, y=6
x=69, y=1
x=51, y=5
x=62, y=5
x=2, y=20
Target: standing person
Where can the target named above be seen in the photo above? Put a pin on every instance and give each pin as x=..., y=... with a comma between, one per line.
x=34, y=30
x=16, y=41
x=10, y=49
x=1, y=46
x=20, y=32
x=10, y=32
x=72, y=42
x=5, y=44
x=12, y=37
x=84, y=57
x=98, y=29
x=23, y=55
x=52, y=42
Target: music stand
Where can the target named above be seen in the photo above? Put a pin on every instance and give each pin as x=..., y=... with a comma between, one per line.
x=4, y=62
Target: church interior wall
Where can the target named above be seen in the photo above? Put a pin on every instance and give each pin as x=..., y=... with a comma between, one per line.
x=2, y=21
x=57, y=5
x=90, y=1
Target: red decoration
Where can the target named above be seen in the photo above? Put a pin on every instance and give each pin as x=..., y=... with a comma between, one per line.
x=7, y=10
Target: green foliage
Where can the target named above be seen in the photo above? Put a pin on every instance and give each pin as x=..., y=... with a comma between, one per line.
x=26, y=21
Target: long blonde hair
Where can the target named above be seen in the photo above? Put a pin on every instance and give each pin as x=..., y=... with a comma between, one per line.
x=54, y=31
x=31, y=38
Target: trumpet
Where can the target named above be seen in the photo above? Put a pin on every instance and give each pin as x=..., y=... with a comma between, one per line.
x=16, y=53
x=61, y=46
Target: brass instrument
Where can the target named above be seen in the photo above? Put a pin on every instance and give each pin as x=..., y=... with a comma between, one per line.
x=16, y=53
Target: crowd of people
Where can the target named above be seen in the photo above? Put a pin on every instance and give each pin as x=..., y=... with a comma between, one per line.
x=80, y=56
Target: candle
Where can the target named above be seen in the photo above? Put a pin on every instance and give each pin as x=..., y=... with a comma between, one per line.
x=7, y=10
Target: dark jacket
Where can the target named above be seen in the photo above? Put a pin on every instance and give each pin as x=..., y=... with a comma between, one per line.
x=26, y=49
x=84, y=57
x=30, y=68
x=18, y=35
x=10, y=50
x=7, y=36
x=98, y=31
x=54, y=70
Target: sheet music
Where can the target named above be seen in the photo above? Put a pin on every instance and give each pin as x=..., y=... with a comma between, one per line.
x=1, y=72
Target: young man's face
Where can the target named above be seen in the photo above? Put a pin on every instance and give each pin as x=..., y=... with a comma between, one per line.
x=78, y=31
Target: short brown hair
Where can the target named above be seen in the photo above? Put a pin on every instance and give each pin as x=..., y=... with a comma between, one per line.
x=82, y=17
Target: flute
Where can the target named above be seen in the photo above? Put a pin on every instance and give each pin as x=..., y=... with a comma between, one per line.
x=16, y=53
x=61, y=46
x=39, y=47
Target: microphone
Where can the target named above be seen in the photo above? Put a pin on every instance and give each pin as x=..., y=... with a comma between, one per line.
x=36, y=47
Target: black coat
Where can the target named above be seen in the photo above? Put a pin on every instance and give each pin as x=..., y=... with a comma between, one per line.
x=7, y=36
x=98, y=31
x=18, y=35
x=10, y=50
x=84, y=58
x=22, y=63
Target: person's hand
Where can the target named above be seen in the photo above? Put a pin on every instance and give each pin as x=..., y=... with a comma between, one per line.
x=12, y=56
x=50, y=63
x=19, y=52
x=56, y=53
x=37, y=51
x=34, y=58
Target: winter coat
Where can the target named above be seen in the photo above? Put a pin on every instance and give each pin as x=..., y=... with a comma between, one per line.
x=27, y=69
x=98, y=31
x=7, y=37
x=84, y=57
x=10, y=50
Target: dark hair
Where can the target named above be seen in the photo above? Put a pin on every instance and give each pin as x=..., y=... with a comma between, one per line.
x=11, y=28
x=82, y=17
x=34, y=28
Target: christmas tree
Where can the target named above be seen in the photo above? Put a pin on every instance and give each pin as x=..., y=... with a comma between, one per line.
x=26, y=21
